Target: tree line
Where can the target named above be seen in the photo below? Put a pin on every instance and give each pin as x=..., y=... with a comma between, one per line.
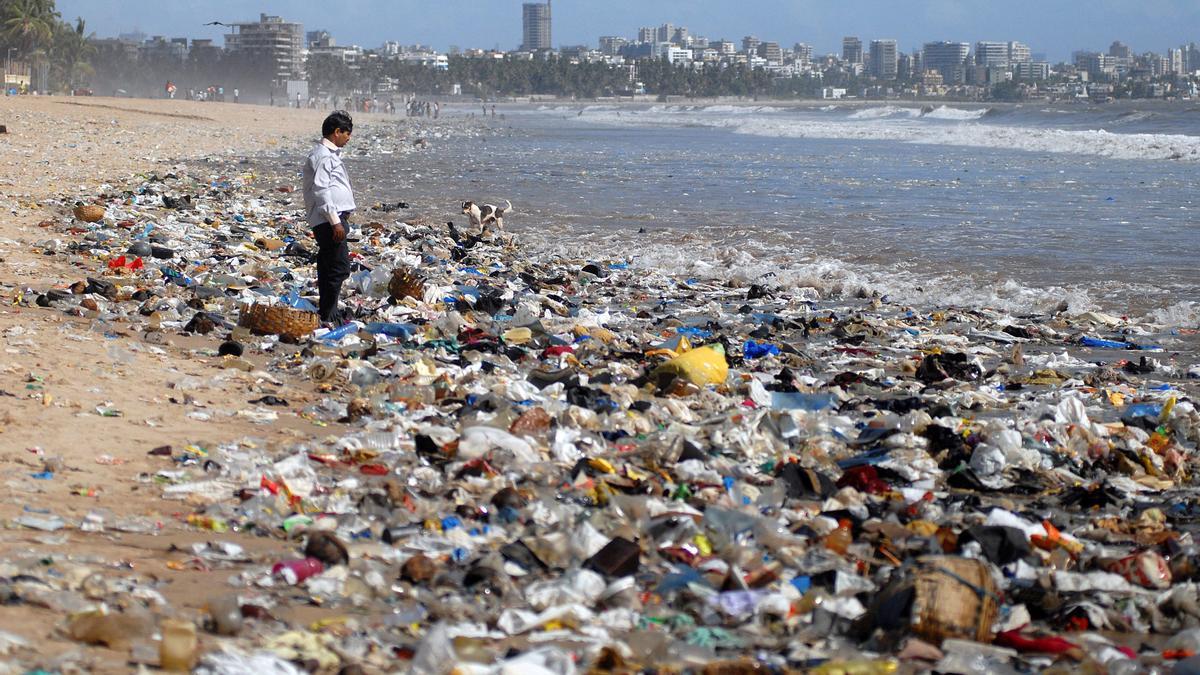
x=33, y=31
x=489, y=78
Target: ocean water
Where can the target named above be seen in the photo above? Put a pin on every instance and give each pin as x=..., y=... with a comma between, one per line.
x=1015, y=207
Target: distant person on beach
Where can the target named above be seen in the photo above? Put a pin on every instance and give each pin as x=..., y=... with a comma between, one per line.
x=328, y=203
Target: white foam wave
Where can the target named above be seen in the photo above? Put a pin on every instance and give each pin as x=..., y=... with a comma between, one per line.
x=721, y=254
x=948, y=113
x=741, y=109
x=886, y=126
x=1180, y=314
x=884, y=112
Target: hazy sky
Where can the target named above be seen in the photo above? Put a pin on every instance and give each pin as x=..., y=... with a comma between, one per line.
x=1054, y=27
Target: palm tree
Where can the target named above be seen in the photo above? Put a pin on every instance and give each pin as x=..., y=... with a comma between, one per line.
x=72, y=52
x=28, y=25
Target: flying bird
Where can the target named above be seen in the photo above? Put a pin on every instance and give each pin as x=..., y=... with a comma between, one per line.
x=216, y=23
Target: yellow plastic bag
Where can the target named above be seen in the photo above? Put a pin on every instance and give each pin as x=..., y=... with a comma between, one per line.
x=701, y=366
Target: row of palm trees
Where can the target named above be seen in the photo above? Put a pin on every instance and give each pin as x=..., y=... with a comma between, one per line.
x=33, y=31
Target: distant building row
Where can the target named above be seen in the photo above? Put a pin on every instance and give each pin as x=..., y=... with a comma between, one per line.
x=284, y=46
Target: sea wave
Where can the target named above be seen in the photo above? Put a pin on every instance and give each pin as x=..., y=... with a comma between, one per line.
x=883, y=112
x=948, y=113
x=752, y=255
x=905, y=125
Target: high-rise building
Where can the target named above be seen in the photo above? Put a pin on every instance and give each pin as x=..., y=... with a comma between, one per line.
x=611, y=45
x=1159, y=66
x=319, y=38
x=1019, y=52
x=681, y=36
x=771, y=52
x=1098, y=66
x=1031, y=70
x=804, y=52
x=273, y=40
x=750, y=44
x=725, y=47
x=647, y=35
x=665, y=33
x=949, y=59
x=1120, y=50
x=1174, y=61
x=1191, y=58
x=991, y=54
x=852, y=50
x=535, y=27
x=884, y=61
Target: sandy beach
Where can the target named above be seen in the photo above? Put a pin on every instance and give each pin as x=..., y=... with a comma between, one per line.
x=56, y=370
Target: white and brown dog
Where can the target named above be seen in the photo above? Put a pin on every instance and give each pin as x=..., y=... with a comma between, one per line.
x=487, y=214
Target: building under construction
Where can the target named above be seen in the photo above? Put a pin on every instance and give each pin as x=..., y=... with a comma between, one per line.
x=278, y=42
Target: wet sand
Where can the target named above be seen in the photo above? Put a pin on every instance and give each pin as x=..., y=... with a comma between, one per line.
x=56, y=370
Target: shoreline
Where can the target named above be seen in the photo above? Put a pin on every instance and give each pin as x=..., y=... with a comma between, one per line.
x=571, y=425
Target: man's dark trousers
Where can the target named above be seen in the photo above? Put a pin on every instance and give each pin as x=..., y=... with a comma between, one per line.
x=333, y=267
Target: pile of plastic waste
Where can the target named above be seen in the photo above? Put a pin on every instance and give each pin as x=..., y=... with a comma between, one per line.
x=545, y=465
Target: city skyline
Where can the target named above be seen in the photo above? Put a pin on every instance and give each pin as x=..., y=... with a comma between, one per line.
x=1152, y=25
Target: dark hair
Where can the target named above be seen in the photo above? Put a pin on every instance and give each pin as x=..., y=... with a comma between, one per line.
x=338, y=119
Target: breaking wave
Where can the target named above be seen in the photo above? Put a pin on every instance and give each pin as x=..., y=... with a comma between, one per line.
x=938, y=126
x=717, y=255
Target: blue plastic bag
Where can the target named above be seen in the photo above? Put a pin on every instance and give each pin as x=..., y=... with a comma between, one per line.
x=1103, y=344
x=755, y=350
x=294, y=301
x=402, y=331
x=338, y=333
x=693, y=332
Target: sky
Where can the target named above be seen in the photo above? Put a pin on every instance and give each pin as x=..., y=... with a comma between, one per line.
x=1053, y=27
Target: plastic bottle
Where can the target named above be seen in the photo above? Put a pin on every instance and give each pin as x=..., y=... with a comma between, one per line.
x=226, y=613
x=321, y=369
x=338, y=333
x=177, y=651
x=840, y=539
x=293, y=572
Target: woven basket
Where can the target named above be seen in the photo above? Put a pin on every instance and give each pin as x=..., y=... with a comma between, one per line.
x=278, y=320
x=954, y=598
x=89, y=213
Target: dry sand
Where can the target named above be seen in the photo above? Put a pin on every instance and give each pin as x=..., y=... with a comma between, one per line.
x=56, y=370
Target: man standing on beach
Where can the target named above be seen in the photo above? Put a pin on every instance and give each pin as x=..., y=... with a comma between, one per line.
x=328, y=203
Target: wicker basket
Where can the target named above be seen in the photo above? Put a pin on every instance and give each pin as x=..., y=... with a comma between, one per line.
x=89, y=213
x=954, y=598
x=286, y=322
